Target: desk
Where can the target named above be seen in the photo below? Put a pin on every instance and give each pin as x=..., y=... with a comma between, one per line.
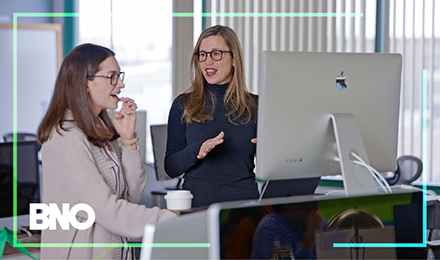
x=22, y=256
x=22, y=221
x=11, y=253
x=23, y=237
x=159, y=198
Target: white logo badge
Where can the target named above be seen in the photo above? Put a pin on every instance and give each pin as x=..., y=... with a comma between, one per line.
x=49, y=213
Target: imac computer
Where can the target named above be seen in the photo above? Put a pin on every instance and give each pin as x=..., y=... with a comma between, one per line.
x=318, y=111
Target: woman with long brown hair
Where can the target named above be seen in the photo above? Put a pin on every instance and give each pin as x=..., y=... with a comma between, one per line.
x=212, y=126
x=83, y=163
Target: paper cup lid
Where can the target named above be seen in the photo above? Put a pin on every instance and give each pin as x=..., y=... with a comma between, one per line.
x=179, y=194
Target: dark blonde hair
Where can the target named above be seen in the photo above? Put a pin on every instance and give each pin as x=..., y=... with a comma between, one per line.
x=70, y=93
x=238, y=100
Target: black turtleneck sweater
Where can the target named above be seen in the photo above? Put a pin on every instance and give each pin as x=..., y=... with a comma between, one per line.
x=226, y=173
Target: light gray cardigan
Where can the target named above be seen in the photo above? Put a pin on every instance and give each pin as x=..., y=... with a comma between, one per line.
x=75, y=171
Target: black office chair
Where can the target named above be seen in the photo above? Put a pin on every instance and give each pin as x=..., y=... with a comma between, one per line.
x=159, y=142
x=20, y=137
x=409, y=169
x=9, y=137
x=6, y=190
x=27, y=192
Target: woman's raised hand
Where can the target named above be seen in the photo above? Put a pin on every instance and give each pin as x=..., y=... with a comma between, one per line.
x=125, y=120
x=210, y=144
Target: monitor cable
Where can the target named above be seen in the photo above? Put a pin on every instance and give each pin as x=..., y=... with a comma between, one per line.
x=375, y=173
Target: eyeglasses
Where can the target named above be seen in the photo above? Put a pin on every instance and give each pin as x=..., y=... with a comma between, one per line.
x=215, y=55
x=113, y=78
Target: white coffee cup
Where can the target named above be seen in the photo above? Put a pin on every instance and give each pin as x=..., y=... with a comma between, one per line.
x=178, y=199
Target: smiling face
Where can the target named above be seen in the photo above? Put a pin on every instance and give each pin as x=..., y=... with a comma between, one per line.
x=216, y=72
x=102, y=94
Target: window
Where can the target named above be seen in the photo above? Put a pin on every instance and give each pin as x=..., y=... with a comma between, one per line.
x=346, y=26
x=414, y=32
x=140, y=33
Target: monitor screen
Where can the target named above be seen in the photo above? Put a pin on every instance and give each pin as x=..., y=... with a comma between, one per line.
x=304, y=97
x=28, y=183
x=252, y=231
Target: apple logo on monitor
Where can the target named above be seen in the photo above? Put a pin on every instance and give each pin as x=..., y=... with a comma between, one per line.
x=340, y=82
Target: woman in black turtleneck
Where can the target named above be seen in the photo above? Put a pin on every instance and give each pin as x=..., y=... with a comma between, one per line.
x=212, y=127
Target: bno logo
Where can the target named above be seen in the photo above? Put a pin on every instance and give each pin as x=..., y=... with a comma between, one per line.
x=340, y=82
x=48, y=215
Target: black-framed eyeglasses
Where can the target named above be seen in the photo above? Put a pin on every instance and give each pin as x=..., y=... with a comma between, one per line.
x=113, y=78
x=215, y=55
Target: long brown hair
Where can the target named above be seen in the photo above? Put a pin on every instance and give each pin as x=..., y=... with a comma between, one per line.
x=238, y=100
x=70, y=93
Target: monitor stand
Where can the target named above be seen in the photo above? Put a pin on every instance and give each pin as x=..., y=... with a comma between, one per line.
x=357, y=179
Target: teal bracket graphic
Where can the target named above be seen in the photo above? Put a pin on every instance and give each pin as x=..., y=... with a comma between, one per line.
x=424, y=209
x=14, y=112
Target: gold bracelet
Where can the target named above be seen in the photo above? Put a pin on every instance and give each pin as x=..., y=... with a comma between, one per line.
x=131, y=141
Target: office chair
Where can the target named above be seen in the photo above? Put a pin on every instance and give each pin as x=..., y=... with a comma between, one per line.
x=26, y=193
x=28, y=176
x=20, y=137
x=159, y=142
x=5, y=190
x=9, y=137
x=409, y=169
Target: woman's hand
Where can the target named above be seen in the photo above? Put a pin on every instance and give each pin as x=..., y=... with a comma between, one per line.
x=125, y=120
x=210, y=144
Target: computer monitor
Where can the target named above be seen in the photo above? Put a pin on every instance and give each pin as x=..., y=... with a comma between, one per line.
x=243, y=229
x=317, y=107
x=28, y=179
x=181, y=238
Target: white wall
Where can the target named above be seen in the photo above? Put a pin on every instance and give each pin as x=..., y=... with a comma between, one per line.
x=36, y=70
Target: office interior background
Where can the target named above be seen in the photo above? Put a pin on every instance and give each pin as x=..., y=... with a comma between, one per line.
x=153, y=41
